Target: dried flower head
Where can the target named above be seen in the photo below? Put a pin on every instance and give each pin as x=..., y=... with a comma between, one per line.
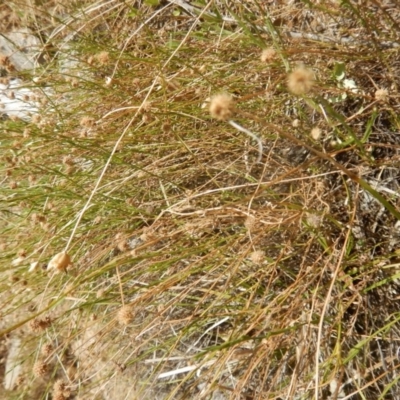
x=268, y=55
x=301, y=80
x=147, y=234
x=60, y=262
x=296, y=123
x=314, y=220
x=122, y=246
x=68, y=160
x=316, y=133
x=122, y=243
x=19, y=381
x=87, y=122
x=382, y=95
x=333, y=143
x=4, y=60
x=146, y=107
x=60, y=390
x=36, y=218
x=103, y=57
x=59, y=385
x=146, y=118
x=222, y=106
x=40, y=369
x=74, y=82
x=125, y=315
x=250, y=222
x=36, y=118
x=26, y=133
x=47, y=349
x=21, y=253
x=166, y=127
x=257, y=257
x=69, y=169
x=39, y=325
x=32, y=179
x=13, y=185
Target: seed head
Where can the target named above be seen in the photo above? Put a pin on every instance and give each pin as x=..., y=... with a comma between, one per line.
x=103, y=57
x=122, y=244
x=60, y=262
x=40, y=369
x=146, y=118
x=68, y=160
x=314, y=220
x=250, y=223
x=19, y=381
x=21, y=253
x=47, y=349
x=382, y=95
x=146, y=107
x=166, y=127
x=87, y=122
x=257, y=257
x=316, y=133
x=10, y=67
x=74, y=82
x=39, y=325
x=222, y=106
x=60, y=390
x=268, y=55
x=125, y=315
x=301, y=80
x=4, y=60
x=13, y=185
x=296, y=123
x=36, y=218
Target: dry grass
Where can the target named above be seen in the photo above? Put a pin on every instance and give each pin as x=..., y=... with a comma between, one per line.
x=188, y=270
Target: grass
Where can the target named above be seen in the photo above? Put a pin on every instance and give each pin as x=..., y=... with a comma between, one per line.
x=198, y=272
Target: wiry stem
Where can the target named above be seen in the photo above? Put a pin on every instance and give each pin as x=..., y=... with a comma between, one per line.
x=252, y=135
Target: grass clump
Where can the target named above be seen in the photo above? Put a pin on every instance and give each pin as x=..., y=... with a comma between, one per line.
x=197, y=262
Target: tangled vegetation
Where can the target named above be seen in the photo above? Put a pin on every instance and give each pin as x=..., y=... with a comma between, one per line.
x=204, y=204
